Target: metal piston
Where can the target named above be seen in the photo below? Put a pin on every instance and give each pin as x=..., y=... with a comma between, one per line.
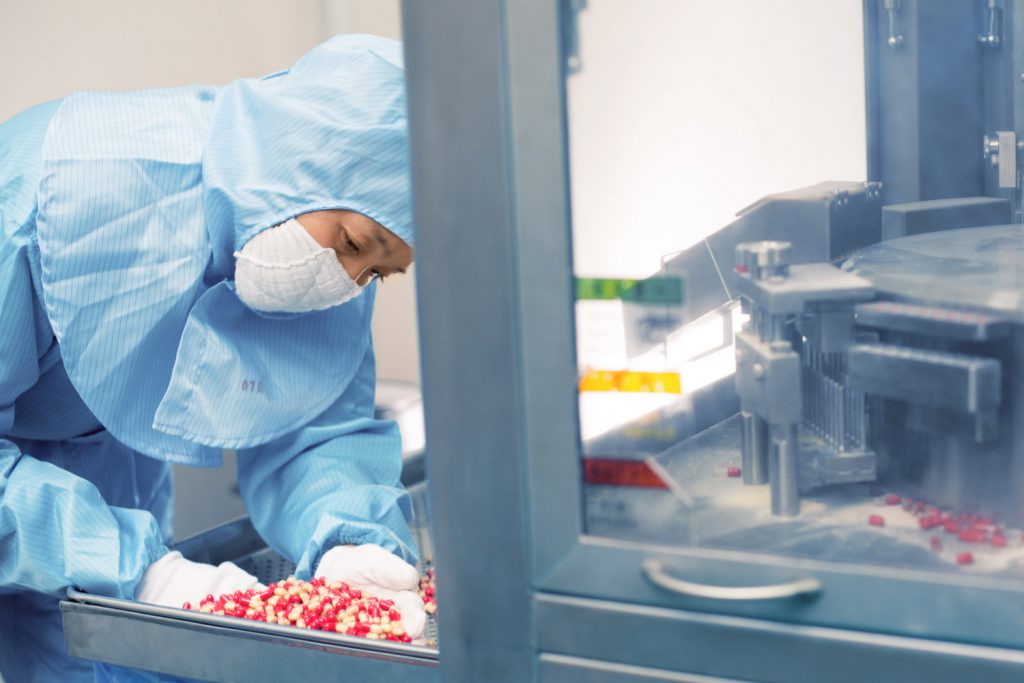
x=755, y=449
x=785, y=465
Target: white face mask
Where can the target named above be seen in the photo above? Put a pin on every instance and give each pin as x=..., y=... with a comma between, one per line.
x=283, y=269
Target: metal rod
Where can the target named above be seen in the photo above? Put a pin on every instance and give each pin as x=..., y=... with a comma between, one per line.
x=836, y=417
x=860, y=421
x=858, y=416
x=863, y=421
x=844, y=436
x=763, y=324
x=820, y=389
x=830, y=405
x=784, y=473
x=805, y=391
x=813, y=400
x=857, y=413
x=833, y=411
x=827, y=405
x=755, y=449
x=892, y=8
x=817, y=403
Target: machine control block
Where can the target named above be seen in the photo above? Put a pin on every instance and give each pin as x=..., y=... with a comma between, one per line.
x=938, y=379
x=932, y=321
x=768, y=379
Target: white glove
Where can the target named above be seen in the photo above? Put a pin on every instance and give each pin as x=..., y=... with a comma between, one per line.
x=172, y=580
x=381, y=574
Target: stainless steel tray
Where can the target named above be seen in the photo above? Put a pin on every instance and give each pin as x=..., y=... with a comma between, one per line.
x=218, y=648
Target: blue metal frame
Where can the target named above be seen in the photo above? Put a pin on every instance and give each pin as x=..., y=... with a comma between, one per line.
x=469, y=326
x=489, y=144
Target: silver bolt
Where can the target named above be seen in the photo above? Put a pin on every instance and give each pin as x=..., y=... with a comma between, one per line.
x=758, y=371
x=763, y=259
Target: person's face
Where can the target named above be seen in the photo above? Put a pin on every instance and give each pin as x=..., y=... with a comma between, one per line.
x=365, y=248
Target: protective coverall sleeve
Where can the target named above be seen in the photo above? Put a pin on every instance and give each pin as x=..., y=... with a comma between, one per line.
x=335, y=481
x=56, y=530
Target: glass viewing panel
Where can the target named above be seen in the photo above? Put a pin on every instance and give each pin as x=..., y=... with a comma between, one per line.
x=758, y=369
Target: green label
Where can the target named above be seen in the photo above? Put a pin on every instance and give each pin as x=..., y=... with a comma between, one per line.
x=654, y=290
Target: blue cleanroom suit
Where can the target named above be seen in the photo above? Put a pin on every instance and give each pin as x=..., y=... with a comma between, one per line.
x=123, y=347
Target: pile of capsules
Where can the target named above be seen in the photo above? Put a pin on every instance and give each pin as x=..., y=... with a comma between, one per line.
x=965, y=526
x=427, y=592
x=318, y=604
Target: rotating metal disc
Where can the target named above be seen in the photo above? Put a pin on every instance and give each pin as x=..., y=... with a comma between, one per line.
x=975, y=268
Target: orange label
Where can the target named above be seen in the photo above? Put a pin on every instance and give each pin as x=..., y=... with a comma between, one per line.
x=629, y=380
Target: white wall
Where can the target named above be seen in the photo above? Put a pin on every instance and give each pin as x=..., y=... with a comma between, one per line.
x=52, y=47
x=379, y=17
x=687, y=111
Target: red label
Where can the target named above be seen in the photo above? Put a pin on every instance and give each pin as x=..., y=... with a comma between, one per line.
x=621, y=473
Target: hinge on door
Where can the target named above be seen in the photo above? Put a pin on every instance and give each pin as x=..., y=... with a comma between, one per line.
x=993, y=25
x=570, y=34
x=893, y=8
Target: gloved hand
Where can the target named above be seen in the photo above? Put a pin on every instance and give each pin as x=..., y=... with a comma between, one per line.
x=381, y=574
x=172, y=580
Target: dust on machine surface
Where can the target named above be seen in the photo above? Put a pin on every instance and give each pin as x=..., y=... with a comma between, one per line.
x=874, y=415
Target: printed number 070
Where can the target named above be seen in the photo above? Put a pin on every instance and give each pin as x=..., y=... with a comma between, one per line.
x=252, y=385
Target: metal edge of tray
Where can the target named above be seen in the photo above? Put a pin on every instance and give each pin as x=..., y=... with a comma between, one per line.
x=215, y=652
x=235, y=541
x=130, y=608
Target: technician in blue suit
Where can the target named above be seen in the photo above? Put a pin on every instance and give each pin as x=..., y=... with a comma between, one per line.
x=184, y=271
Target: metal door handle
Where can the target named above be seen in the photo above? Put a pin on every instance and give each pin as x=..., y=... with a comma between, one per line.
x=804, y=587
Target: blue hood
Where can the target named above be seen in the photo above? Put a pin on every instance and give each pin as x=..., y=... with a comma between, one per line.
x=329, y=133
x=143, y=199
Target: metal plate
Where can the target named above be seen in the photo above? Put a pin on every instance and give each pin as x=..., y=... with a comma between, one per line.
x=933, y=321
x=651, y=642
x=979, y=269
x=207, y=646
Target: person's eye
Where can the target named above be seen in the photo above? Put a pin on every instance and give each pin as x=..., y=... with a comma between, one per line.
x=352, y=245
